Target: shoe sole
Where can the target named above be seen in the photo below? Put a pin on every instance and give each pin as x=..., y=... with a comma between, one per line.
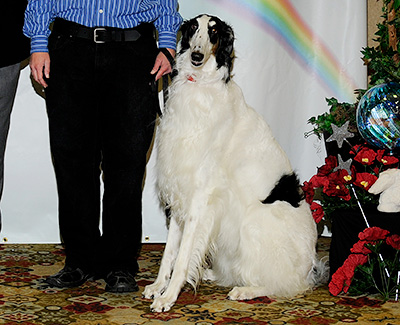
x=121, y=289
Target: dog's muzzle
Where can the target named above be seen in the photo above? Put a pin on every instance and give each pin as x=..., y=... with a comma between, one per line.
x=197, y=58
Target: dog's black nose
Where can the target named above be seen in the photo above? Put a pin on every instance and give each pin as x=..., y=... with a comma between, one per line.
x=197, y=57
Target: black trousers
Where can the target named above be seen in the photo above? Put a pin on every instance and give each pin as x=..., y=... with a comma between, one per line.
x=101, y=105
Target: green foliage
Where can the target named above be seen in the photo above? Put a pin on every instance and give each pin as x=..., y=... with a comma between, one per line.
x=396, y=4
x=381, y=62
x=363, y=280
x=381, y=67
x=338, y=114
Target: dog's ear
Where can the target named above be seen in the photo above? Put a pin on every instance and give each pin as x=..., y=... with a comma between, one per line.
x=224, y=53
x=185, y=37
x=227, y=38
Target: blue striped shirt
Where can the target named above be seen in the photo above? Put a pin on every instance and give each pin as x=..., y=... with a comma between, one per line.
x=99, y=13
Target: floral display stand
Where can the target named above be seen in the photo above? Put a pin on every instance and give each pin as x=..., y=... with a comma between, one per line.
x=347, y=224
x=346, y=192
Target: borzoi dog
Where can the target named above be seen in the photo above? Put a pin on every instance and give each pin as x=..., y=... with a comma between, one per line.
x=237, y=215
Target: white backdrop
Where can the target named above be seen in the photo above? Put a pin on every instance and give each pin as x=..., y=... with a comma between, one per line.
x=291, y=55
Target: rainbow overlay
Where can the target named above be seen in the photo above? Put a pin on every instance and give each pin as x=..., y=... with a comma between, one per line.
x=281, y=19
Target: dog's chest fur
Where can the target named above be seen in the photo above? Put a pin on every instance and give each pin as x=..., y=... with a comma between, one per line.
x=203, y=143
x=196, y=131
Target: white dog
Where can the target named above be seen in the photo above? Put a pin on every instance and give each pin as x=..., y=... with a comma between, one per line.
x=237, y=215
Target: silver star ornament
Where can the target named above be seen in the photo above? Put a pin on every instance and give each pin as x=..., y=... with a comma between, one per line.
x=346, y=165
x=340, y=134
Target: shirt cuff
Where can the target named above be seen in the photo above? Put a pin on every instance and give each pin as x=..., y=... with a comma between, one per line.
x=167, y=39
x=39, y=44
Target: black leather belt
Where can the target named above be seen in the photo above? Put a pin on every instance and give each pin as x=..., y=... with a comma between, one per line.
x=100, y=34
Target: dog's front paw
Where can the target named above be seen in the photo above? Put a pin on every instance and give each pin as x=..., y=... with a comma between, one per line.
x=161, y=304
x=153, y=291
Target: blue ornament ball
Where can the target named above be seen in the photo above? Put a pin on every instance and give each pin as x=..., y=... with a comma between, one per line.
x=378, y=116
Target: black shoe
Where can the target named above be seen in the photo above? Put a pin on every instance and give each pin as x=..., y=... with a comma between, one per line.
x=121, y=281
x=68, y=277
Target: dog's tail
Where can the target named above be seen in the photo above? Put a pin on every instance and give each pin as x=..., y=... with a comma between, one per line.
x=319, y=273
x=286, y=189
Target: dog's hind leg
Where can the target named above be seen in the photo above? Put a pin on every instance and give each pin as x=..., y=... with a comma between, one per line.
x=167, y=263
x=209, y=275
x=247, y=293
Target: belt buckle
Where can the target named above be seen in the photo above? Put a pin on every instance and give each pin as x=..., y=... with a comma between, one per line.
x=95, y=35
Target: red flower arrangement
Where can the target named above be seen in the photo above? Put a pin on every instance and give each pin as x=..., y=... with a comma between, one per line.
x=331, y=188
x=367, y=251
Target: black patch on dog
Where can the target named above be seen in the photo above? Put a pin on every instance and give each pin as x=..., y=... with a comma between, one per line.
x=286, y=189
x=188, y=29
x=222, y=34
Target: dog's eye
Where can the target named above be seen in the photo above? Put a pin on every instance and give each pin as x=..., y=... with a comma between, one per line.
x=213, y=31
x=193, y=27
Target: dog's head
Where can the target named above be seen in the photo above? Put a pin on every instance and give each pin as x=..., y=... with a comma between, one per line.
x=207, y=36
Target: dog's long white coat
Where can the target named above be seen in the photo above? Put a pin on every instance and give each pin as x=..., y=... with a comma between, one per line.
x=217, y=160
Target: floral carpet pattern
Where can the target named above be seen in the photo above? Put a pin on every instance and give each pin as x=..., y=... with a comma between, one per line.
x=26, y=300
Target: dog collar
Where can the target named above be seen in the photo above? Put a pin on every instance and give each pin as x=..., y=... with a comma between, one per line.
x=191, y=78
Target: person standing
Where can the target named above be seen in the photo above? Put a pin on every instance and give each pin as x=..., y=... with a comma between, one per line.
x=11, y=21
x=98, y=66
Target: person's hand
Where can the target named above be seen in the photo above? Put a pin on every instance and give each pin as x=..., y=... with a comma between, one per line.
x=162, y=65
x=40, y=67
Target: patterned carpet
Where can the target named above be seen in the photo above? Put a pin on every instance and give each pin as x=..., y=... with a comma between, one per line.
x=26, y=300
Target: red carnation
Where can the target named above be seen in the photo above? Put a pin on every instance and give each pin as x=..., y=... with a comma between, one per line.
x=386, y=160
x=337, y=282
x=330, y=164
x=309, y=192
x=319, y=181
x=373, y=234
x=343, y=176
x=353, y=261
x=365, y=156
x=394, y=241
x=365, y=180
x=337, y=188
x=317, y=211
x=379, y=154
x=341, y=279
x=360, y=248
